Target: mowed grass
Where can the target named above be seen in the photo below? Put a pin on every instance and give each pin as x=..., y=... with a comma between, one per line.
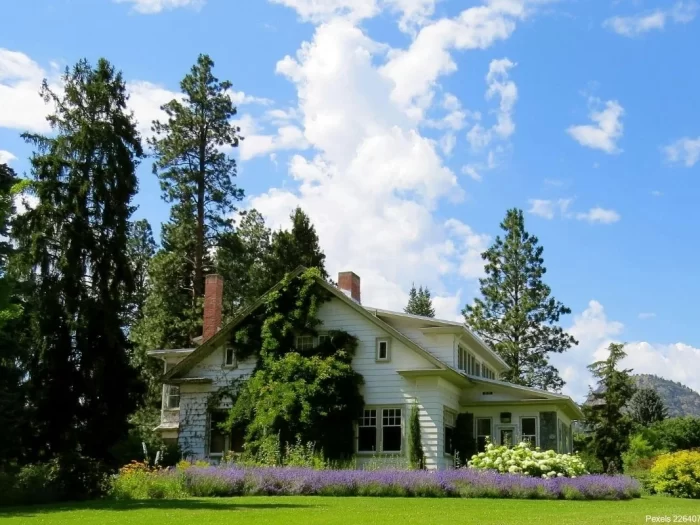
x=311, y=510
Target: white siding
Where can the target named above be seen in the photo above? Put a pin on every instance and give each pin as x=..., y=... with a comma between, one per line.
x=441, y=346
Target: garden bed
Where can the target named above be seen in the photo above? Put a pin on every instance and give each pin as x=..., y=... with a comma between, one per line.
x=285, y=481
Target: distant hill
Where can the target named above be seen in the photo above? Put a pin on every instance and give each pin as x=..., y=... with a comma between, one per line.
x=679, y=399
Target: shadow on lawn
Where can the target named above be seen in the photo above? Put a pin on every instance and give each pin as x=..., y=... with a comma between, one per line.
x=111, y=505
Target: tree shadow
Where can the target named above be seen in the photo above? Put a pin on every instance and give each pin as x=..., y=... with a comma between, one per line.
x=216, y=504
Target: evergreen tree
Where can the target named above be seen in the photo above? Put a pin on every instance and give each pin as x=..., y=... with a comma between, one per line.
x=73, y=247
x=420, y=302
x=12, y=355
x=517, y=315
x=141, y=249
x=646, y=407
x=241, y=258
x=196, y=175
x=292, y=248
x=605, y=414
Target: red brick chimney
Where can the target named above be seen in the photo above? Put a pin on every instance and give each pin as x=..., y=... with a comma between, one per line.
x=349, y=282
x=213, y=305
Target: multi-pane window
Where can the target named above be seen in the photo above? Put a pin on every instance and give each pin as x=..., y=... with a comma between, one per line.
x=483, y=431
x=471, y=366
x=229, y=356
x=383, y=350
x=487, y=372
x=528, y=430
x=217, y=437
x=391, y=430
x=367, y=431
x=380, y=430
x=462, y=358
x=477, y=370
x=323, y=338
x=172, y=397
x=449, y=423
x=305, y=342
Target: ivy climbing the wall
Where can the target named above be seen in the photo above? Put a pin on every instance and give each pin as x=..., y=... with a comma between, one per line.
x=310, y=394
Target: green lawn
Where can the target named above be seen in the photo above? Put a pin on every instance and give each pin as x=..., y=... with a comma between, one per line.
x=311, y=510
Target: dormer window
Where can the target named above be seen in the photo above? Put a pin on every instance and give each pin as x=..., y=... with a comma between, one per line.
x=229, y=357
x=383, y=349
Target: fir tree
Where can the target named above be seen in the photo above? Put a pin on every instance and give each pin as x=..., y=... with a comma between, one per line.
x=296, y=247
x=646, y=407
x=141, y=249
x=196, y=175
x=73, y=246
x=605, y=412
x=517, y=314
x=420, y=302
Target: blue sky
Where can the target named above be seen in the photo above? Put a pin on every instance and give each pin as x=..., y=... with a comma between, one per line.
x=406, y=128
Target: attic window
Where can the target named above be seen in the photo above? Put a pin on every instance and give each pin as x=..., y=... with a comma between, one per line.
x=229, y=357
x=383, y=349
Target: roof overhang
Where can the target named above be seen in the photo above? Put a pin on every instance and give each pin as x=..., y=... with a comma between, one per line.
x=441, y=326
x=175, y=352
x=445, y=373
x=188, y=381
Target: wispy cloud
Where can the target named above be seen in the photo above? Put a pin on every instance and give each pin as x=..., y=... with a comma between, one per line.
x=639, y=24
x=684, y=151
x=599, y=215
x=647, y=315
x=150, y=7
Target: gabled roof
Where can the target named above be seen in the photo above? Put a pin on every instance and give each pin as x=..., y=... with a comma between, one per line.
x=205, y=349
x=454, y=325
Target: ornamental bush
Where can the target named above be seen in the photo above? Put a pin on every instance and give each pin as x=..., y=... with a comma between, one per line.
x=225, y=481
x=677, y=474
x=521, y=459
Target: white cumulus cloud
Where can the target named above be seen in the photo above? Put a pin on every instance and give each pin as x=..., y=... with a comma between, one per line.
x=606, y=130
x=6, y=157
x=599, y=215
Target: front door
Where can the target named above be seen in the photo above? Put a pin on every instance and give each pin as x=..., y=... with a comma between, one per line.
x=507, y=436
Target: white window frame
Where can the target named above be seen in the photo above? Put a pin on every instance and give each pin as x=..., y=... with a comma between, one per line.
x=449, y=420
x=367, y=416
x=168, y=396
x=234, y=361
x=322, y=336
x=379, y=426
x=387, y=342
x=476, y=429
x=302, y=342
x=227, y=440
x=536, y=442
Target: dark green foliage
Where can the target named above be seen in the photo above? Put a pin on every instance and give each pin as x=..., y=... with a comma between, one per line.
x=465, y=444
x=678, y=433
x=517, y=315
x=141, y=249
x=311, y=395
x=419, y=302
x=678, y=398
x=646, y=407
x=605, y=414
x=242, y=259
x=415, y=446
x=548, y=430
x=73, y=250
x=196, y=175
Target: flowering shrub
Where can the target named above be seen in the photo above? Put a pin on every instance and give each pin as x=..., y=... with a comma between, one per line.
x=521, y=459
x=677, y=474
x=465, y=483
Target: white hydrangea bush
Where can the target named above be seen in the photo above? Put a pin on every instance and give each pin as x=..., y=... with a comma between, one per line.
x=521, y=459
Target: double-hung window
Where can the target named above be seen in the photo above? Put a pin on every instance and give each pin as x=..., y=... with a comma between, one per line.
x=172, y=397
x=380, y=430
x=323, y=338
x=483, y=431
x=218, y=439
x=305, y=342
x=449, y=419
x=528, y=430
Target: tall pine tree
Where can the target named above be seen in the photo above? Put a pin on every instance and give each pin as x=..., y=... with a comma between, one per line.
x=605, y=411
x=517, y=314
x=73, y=246
x=646, y=407
x=196, y=175
x=420, y=302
